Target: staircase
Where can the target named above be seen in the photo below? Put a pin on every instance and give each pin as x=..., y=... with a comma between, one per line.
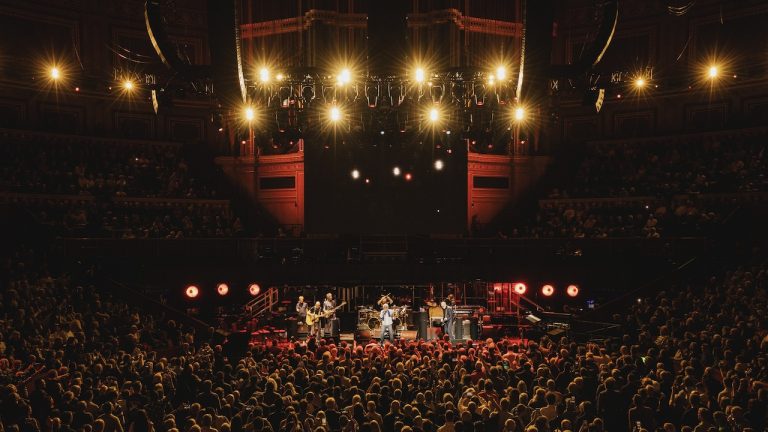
x=261, y=304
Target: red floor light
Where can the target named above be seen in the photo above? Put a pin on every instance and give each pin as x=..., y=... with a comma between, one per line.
x=192, y=291
x=572, y=290
x=222, y=289
x=520, y=288
x=254, y=289
x=547, y=290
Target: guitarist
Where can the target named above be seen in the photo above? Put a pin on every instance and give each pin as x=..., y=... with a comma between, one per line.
x=313, y=319
x=329, y=306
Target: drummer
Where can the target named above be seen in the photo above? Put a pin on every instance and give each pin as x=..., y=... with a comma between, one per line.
x=385, y=299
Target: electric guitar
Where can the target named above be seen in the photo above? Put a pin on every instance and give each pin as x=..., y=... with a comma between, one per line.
x=313, y=318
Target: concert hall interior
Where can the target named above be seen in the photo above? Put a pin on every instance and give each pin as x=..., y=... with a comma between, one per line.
x=383, y=215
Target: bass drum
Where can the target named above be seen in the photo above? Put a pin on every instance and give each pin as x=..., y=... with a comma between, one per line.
x=374, y=323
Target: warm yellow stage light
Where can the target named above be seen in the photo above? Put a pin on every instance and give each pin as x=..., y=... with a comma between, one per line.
x=264, y=75
x=713, y=71
x=501, y=73
x=128, y=85
x=439, y=165
x=55, y=73
x=420, y=75
x=335, y=114
x=345, y=77
x=434, y=114
x=640, y=82
x=519, y=114
x=249, y=114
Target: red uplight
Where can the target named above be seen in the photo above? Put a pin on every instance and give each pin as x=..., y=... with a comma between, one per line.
x=222, y=289
x=497, y=287
x=408, y=177
x=572, y=290
x=192, y=291
x=547, y=290
x=520, y=288
x=254, y=289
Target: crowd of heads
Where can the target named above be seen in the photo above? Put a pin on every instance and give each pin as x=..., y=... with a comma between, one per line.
x=695, y=165
x=652, y=188
x=72, y=359
x=65, y=166
x=652, y=219
x=121, y=189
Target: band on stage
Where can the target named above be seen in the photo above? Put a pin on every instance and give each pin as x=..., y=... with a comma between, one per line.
x=389, y=318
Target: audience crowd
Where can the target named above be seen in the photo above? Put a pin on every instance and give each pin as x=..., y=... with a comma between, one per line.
x=116, y=189
x=43, y=166
x=697, y=165
x=621, y=219
x=652, y=189
x=72, y=359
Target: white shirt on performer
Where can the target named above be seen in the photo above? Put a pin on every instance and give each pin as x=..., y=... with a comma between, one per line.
x=386, y=317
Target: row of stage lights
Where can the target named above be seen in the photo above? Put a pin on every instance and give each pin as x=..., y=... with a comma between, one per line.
x=222, y=289
x=57, y=76
x=434, y=115
x=344, y=77
x=546, y=290
x=640, y=82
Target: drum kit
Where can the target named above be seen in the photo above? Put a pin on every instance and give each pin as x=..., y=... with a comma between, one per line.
x=369, y=317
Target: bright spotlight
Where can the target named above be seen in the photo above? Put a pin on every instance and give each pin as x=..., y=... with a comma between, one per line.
x=254, y=289
x=345, y=77
x=640, y=82
x=547, y=290
x=355, y=174
x=127, y=85
x=520, y=288
x=491, y=79
x=519, y=114
x=420, y=75
x=222, y=289
x=335, y=114
x=264, y=75
x=501, y=73
x=439, y=165
x=192, y=291
x=55, y=73
x=713, y=71
x=434, y=114
x=249, y=114
x=396, y=171
x=572, y=290
x=279, y=77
